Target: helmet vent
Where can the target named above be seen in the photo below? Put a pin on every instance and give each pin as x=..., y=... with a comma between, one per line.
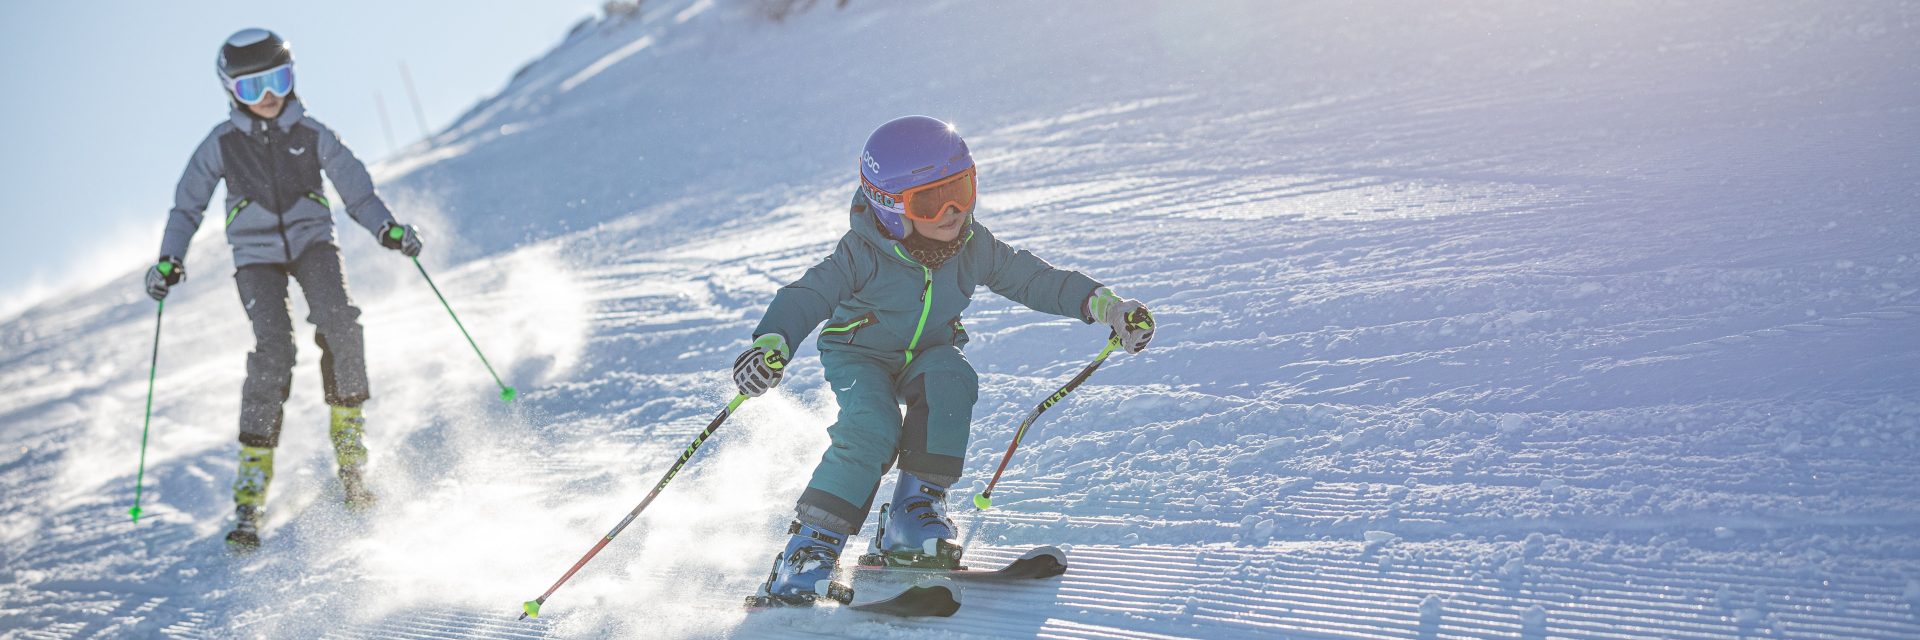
x=923, y=169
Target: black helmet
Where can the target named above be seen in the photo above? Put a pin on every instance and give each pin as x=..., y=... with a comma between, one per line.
x=250, y=51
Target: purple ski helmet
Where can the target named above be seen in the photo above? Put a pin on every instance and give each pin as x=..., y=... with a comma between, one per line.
x=904, y=153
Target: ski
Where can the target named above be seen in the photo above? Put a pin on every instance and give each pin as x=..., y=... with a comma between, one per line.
x=936, y=600
x=1036, y=564
x=914, y=602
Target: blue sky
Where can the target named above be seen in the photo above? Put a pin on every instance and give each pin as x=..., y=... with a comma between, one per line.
x=107, y=99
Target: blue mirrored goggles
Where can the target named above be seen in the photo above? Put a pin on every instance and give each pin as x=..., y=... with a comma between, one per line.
x=253, y=87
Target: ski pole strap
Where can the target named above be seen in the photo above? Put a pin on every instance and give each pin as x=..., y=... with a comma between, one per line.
x=532, y=607
x=984, y=500
x=141, y=477
x=507, y=393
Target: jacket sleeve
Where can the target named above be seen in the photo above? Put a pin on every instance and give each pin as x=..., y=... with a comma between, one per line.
x=351, y=180
x=799, y=307
x=1024, y=278
x=190, y=197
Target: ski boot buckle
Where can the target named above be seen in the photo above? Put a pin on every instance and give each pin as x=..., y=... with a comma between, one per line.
x=946, y=555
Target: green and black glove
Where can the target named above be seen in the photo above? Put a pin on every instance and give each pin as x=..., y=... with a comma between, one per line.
x=400, y=237
x=1130, y=319
x=760, y=367
x=163, y=275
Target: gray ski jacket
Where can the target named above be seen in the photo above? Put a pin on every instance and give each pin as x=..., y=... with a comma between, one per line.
x=276, y=204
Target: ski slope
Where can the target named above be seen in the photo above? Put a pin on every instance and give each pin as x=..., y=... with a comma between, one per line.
x=1484, y=319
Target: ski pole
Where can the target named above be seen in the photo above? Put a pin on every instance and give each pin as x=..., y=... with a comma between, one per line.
x=140, y=479
x=984, y=499
x=532, y=607
x=507, y=393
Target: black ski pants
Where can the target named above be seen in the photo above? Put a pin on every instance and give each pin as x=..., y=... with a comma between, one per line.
x=336, y=322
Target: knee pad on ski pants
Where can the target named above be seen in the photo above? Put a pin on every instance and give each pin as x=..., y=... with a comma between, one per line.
x=869, y=431
x=939, y=391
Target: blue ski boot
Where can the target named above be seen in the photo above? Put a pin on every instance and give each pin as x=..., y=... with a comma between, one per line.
x=803, y=573
x=914, y=530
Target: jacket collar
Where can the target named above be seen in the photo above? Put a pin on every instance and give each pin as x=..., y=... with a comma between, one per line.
x=245, y=120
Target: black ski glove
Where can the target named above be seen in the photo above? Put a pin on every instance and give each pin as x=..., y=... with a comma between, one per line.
x=164, y=274
x=400, y=237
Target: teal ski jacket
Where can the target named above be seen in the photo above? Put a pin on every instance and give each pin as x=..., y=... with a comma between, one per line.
x=877, y=300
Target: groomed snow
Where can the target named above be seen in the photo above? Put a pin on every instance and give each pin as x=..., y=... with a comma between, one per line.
x=1483, y=319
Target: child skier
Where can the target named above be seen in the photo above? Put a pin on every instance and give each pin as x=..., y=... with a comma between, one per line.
x=272, y=154
x=892, y=293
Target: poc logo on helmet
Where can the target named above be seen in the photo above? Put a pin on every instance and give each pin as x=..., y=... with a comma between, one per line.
x=866, y=158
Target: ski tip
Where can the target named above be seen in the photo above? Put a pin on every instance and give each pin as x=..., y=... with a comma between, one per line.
x=982, y=502
x=1045, y=550
x=943, y=600
x=135, y=512
x=1045, y=561
x=939, y=587
x=530, y=609
x=507, y=394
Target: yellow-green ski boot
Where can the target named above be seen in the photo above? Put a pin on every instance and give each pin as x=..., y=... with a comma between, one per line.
x=347, y=429
x=250, y=497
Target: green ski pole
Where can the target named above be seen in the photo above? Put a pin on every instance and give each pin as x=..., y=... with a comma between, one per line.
x=141, y=478
x=984, y=499
x=507, y=393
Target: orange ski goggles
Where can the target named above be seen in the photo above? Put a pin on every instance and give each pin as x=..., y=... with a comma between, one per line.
x=926, y=202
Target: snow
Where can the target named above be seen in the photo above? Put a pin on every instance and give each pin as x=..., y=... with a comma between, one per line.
x=1491, y=319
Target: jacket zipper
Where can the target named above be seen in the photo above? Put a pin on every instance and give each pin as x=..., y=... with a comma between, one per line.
x=235, y=211
x=849, y=327
x=286, y=245
x=926, y=303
